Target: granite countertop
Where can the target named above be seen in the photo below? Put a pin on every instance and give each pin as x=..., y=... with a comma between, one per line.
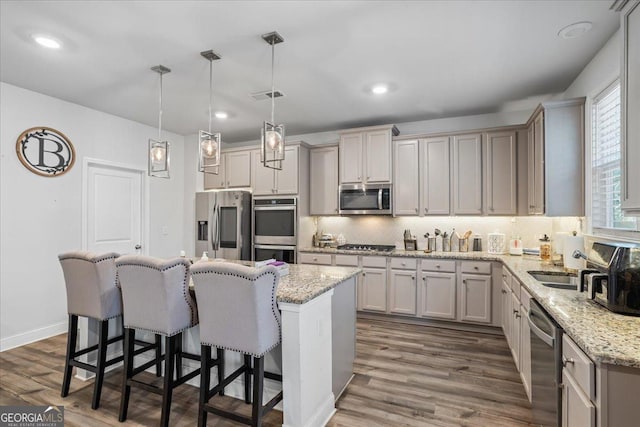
x=306, y=282
x=606, y=337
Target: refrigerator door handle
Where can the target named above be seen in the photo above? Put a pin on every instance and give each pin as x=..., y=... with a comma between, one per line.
x=215, y=232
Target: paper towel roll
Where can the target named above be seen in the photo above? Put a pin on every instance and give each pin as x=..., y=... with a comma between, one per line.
x=571, y=243
x=558, y=243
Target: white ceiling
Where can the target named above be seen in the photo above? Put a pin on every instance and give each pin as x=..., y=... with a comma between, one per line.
x=441, y=58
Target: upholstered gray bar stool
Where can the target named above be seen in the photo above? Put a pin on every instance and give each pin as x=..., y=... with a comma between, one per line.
x=238, y=312
x=155, y=297
x=90, y=281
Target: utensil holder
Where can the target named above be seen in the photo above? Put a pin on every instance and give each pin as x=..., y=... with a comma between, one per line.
x=463, y=245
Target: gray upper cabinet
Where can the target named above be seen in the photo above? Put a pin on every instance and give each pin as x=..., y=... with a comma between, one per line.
x=323, y=179
x=630, y=102
x=365, y=155
x=406, y=197
x=500, y=173
x=234, y=171
x=467, y=174
x=435, y=176
x=556, y=158
x=267, y=181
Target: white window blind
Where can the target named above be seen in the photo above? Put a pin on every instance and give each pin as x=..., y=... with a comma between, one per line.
x=605, y=166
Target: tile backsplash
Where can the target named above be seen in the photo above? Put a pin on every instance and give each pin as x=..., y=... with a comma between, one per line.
x=386, y=230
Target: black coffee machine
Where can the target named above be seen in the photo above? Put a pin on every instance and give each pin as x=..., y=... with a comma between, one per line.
x=612, y=277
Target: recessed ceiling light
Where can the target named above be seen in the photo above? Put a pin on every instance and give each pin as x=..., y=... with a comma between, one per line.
x=47, y=41
x=379, y=89
x=575, y=30
x=221, y=115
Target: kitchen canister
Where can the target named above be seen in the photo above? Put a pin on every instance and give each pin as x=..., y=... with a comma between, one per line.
x=495, y=243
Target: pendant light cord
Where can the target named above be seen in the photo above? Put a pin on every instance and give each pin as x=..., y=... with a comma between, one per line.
x=210, y=91
x=160, y=112
x=273, y=95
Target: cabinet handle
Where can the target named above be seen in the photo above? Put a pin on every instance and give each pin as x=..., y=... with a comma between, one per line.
x=503, y=291
x=426, y=210
x=417, y=210
x=531, y=206
x=413, y=277
x=364, y=274
x=464, y=281
x=228, y=183
x=315, y=259
x=518, y=315
x=358, y=178
x=504, y=276
x=368, y=178
x=424, y=279
x=438, y=266
x=515, y=311
x=566, y=361
x=475, y=268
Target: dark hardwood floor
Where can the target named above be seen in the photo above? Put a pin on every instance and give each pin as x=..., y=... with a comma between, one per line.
x=405, y=375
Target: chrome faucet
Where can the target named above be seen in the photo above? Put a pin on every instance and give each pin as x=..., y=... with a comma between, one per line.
x=579, y=254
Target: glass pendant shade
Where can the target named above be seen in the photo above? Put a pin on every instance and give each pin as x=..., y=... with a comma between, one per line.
x=272, y=145
x=159, y=158
x=209, y=152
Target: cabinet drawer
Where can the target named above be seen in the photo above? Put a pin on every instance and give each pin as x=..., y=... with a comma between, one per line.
x=579, y=366
x=439, y=265
x=404, y=263
x=348, y=260
x=374, y=261
x=475, y=267
x=320, y=259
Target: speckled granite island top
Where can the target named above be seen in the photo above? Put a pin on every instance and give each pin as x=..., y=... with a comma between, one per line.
x=305, y=282
x=606, y=337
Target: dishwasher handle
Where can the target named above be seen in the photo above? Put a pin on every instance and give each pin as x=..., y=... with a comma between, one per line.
x=546, y=338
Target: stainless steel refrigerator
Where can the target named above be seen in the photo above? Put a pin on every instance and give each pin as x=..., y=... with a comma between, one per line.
x=223, y=224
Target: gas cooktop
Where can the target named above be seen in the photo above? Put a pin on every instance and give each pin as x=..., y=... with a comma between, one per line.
x=363, y=247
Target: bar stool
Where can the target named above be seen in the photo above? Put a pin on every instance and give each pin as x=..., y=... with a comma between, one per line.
x=90, y=280
x=238, y=312
x=155, y=296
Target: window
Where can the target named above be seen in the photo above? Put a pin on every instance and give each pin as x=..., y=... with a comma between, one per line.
x=605, y=165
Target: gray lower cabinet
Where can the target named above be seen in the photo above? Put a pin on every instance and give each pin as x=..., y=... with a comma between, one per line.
x=402, y=293
x=438, y=296
x=475, y=298
x=373, y=290
x=343, y=337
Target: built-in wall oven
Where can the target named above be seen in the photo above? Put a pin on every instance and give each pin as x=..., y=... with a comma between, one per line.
x=275, y=227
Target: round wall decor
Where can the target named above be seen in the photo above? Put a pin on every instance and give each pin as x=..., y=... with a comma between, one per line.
x=45, y=151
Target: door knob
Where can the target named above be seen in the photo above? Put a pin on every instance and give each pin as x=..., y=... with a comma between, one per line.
x=138, y=246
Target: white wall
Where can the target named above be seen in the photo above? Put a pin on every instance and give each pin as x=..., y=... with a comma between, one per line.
x=41, y=216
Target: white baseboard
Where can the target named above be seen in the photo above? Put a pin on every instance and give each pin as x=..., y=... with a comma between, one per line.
x=32, y=336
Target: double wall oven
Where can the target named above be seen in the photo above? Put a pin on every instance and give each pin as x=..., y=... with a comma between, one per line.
x=275, y=229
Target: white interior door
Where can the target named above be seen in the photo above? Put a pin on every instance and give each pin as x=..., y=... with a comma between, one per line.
x=113, y=206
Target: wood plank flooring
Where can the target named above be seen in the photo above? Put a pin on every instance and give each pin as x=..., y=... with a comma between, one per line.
x=405, y=375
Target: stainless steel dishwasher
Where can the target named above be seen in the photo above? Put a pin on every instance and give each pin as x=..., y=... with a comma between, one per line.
x=546, y=367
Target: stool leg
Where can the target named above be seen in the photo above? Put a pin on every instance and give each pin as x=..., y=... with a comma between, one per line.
x=103, y=331
x=167, y=392
x=129, y=339
x=178, y=356
x=258, y=383
x=205, y=382
x=72, y=337
x=158, y=355
x=247, y=378
x=221, y=364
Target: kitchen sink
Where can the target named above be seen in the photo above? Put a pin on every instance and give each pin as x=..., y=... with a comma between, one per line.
x=556, y=279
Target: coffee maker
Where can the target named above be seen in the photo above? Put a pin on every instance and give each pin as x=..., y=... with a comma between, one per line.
x=612, y=277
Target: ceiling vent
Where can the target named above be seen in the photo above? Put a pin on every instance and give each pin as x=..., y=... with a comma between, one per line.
x=261, y=96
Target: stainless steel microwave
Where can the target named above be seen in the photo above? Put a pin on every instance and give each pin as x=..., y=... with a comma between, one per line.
x=365, y=199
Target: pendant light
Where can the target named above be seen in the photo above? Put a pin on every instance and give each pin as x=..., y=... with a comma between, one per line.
x=158, y=149
x=209, y=143
x=272, y=146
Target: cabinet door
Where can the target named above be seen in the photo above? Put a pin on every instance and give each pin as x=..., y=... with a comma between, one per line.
x=630, y=101
x=351, y=148
x=538, y=164
x=216, y=181
x=435, y=176
x=374, y=289
x=505, y=296
x=377, y=155
x=475, y=298
x=263, y=178
x=577, y=409
x=500, y=173
x=531, y=161
x=324, y=181
x=515, y=330
x=525, y=351
x=406, y=192
x=467, y=174
x=238, y=169
x=438, y=297
x=403, y=292
x=287, y=178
